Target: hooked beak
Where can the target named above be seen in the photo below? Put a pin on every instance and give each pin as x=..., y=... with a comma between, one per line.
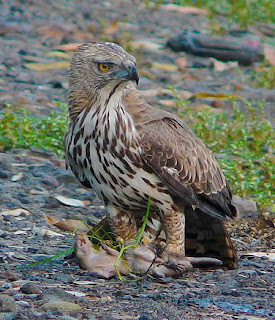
x=133, y=74
x=129, y=73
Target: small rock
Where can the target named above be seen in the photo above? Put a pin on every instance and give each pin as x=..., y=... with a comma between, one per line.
x=50, y=181
x=6, y=285
x=145, y=317
x=18, y=296
x=3, y=174
x=21, y=316
x=246, y=208
x=61, y=305
x=56, y=84
x=32, y=250
x=231, y=292
x=7, y=304
x=128, y=297
x=66, y=177
x=30, y=288
x=23, y=303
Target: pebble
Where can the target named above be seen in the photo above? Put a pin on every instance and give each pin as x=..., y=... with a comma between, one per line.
x=61, y=305
x=128, y=297
x=228, y=292
x=20, y=316
x=50, y=181
x=31, y=288
x=145, y=317
x=7, y=303
x=23, y=303
x=3, y=174
x=6, y=285
x=246, y=208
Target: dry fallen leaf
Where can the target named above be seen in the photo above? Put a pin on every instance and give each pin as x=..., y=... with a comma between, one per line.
x=50, y=220
x=168, y=103
x=46, y=232
x=76, y=293
x=15, y=212
x=71, y=225
x=220, y=66
x=211, y=95
x=48, y=66
x=85, y=282
x=202, y=107
x=68, y=46
x=20, y=232
x=164, y=66
x=181, y=9
x=112, y=28
x=17, y=177
x=147, y=74
x=69, y=201
x=268, y=255
x=59, y=54
x=148, y=45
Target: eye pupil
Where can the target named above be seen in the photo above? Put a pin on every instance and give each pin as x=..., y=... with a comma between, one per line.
x=103, y=66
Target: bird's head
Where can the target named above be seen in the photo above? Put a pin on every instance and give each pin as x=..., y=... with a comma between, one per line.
x=98, y=65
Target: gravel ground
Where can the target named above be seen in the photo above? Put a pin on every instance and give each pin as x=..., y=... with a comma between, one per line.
x=31, y=180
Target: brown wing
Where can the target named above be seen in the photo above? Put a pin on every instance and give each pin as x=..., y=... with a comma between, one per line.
x=182, y=161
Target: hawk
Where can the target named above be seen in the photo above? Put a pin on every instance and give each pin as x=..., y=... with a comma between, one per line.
x=129, y=151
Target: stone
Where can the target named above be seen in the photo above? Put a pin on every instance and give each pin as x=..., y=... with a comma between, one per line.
x=23, y=303
x=7, y=304
x=3, y=174
x=246, y=208
x=62, y=306
x=30, y=288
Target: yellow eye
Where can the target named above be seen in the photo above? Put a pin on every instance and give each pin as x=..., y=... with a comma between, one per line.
x=103, y=66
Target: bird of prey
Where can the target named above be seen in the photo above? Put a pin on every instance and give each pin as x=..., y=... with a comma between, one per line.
x=129, y=151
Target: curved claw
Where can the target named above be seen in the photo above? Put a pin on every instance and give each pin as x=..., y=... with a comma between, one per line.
x=143, y=259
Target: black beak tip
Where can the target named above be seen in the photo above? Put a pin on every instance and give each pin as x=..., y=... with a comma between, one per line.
x=133, y=74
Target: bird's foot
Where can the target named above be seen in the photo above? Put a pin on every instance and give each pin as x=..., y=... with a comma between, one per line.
x=143, y=259
x=173, y=263
x=100, y=262
x=151, y=259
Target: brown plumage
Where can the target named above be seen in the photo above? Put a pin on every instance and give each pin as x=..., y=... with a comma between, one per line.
x=129, y=151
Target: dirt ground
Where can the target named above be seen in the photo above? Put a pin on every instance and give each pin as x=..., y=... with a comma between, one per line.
x=31, y=180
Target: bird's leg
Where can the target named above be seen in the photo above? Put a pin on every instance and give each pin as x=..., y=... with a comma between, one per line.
x=122, y=223
x=174, y=227
x=173, y=257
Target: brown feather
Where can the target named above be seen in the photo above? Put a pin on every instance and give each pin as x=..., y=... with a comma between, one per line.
x=180, y=159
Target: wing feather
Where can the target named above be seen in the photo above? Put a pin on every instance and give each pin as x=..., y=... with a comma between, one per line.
x=182, y=161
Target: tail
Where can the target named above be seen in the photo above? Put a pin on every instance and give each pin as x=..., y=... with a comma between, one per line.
x=206, y=236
